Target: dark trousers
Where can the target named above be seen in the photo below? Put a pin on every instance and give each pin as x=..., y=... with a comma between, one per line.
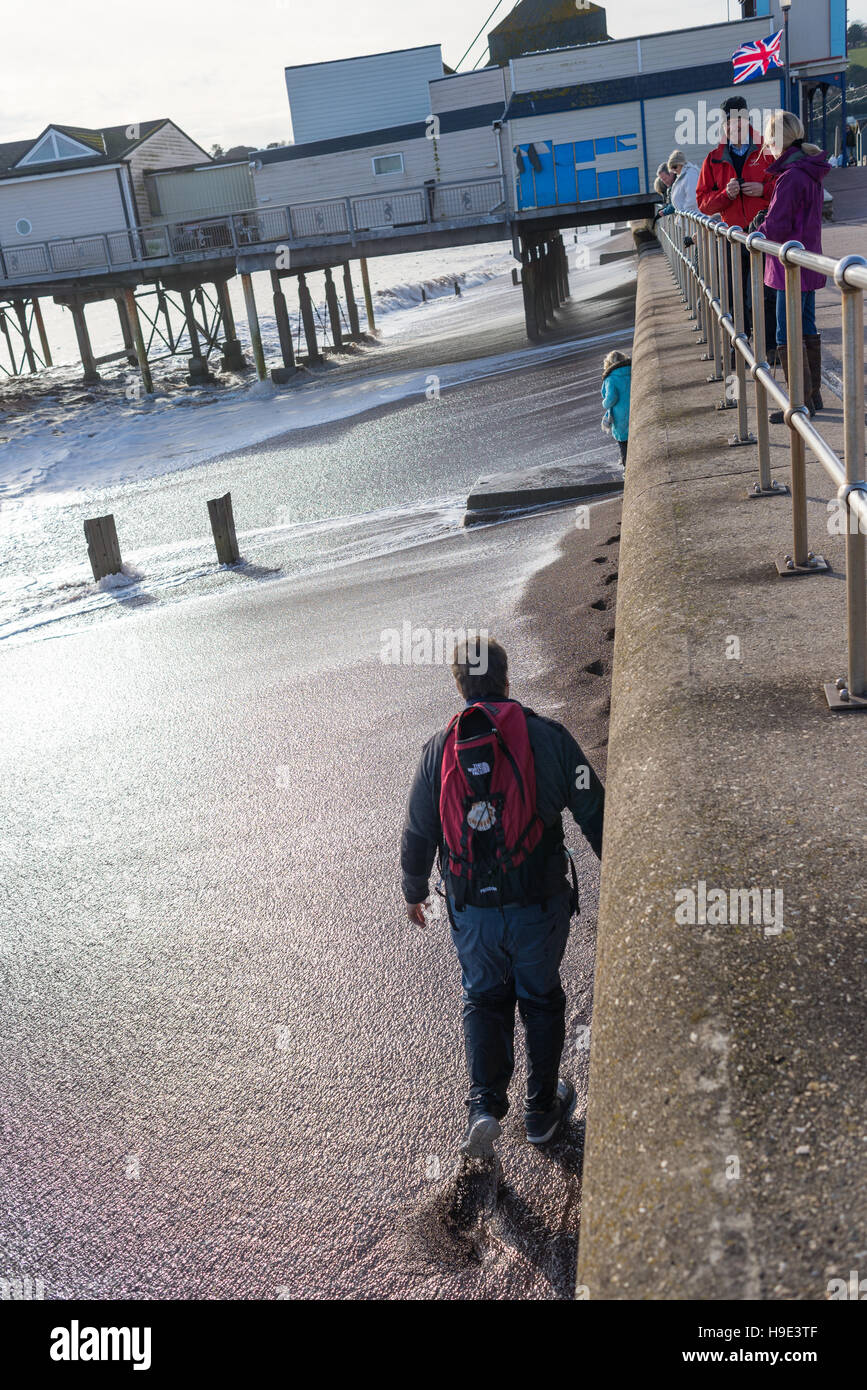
x=512, y=955
x=623, y=445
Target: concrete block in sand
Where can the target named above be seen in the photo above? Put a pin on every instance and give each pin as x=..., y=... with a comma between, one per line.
x=500, y=494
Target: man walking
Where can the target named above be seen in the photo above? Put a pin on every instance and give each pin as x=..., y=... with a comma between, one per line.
x=488, y=795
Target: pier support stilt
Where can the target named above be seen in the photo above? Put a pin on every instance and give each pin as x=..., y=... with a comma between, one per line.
x=85, y=350
x=284, y=332
x=368, y=297
x=306, y=303
x=21, y=312
x=164, y=309
x=553, y=277
x=351, y=306
x=199, y=372
x=539, y=288
x=141, y=355
x=4, y=329
x=233, y=359
x=564, y=268
x=126, y=330
x=556, y=276
x=43, y=336
x=333, y=309
x=548, y=283
x=253, y=325
x=528, y=289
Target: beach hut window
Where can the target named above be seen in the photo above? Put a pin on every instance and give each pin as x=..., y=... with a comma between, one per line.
x=23, y=227
x=388, y=164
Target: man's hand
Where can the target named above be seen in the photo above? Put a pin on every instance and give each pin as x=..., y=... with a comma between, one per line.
x=733, y=188
x=416, y=913
x=754, y=190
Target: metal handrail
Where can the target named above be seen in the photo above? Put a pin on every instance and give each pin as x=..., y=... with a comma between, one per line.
x=173, y=234
x=705, y=255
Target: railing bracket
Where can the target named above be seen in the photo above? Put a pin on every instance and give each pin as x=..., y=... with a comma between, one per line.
x=816, y=564
x=775, y=490
x=840, y=700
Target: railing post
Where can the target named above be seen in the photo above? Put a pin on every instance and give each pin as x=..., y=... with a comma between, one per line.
x=715, y=335
x=709, y=316
x=853, y=413
x=801, y=559
x=743, y=435
x=722, y=255
x=766, y=486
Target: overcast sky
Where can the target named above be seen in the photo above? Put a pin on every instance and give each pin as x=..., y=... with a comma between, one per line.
x=216, y=66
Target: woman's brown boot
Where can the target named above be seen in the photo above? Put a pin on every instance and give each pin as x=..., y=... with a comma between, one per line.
x=813, y=355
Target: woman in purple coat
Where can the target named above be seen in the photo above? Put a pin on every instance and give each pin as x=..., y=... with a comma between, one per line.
x=795, y=214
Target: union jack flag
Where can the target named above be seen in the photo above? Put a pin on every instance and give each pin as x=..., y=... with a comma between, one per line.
x=754, y=59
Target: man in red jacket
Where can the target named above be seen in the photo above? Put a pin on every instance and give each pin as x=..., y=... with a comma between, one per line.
x=734, y=182
x=734, y=179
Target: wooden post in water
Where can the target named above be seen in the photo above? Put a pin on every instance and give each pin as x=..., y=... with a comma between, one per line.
x=103, y=549
x=43, y=336
x=306, y=303
x=284, y=333
x=88, y=361
x=223, y=527
x=368, y=297
x=333, y=309
x=351, y=306
x=138, y=341
x=253, y=325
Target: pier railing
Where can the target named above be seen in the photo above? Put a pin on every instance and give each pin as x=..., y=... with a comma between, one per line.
x=215, y=236
x=706, y=257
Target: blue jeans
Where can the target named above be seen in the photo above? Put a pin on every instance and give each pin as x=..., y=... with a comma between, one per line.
x=512, y=955
x=808, y=315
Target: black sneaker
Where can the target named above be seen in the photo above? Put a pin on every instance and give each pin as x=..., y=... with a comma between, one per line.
x=482, y=1130
x=542, y=1125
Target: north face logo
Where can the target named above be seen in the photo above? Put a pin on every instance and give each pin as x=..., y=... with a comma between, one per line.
x=479, y=769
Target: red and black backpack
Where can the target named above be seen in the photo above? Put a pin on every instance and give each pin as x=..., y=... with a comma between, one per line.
x=487, y=799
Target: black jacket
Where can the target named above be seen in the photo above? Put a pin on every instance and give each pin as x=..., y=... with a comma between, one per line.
x=558, y=759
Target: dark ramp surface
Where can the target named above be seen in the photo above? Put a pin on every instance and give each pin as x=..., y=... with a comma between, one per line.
x=233, y=1070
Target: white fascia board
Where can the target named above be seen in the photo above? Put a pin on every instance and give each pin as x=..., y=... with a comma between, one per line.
x=60, y=174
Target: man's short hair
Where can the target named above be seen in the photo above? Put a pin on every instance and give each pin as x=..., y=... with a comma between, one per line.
x=734, y=104
x=480, y=667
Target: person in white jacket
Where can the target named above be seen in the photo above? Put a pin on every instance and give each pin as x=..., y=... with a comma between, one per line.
x=685, y=182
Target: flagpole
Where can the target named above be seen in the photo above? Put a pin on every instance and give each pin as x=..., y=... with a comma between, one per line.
x=786, y=5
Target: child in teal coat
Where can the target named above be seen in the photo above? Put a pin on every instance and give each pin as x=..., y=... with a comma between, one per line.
x=616, y=387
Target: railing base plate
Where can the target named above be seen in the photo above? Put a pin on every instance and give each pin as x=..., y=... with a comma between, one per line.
x=726, y=405
x=819, y=565
x=757, y=491
x=841, y=706
x=736, y=442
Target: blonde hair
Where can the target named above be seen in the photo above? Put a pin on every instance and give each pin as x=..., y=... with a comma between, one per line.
x=677, y=157
x=786, y=127
x=615, y=359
